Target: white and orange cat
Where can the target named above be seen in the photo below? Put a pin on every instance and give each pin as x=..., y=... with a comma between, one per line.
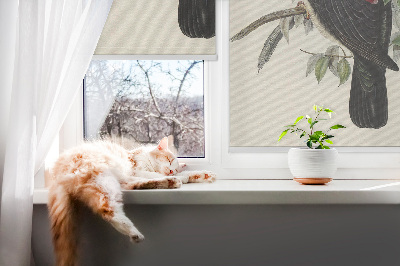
x=94, y=174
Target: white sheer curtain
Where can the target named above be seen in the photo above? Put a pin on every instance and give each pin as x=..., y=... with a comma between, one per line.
x=55, y=40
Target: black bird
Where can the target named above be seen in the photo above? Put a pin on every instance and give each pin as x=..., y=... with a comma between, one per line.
x=364, y=27
x=196, y=18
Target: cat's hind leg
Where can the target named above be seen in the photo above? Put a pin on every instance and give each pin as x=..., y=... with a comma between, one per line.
x=103, y=195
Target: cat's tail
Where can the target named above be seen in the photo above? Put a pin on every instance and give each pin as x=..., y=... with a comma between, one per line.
x=62, y=212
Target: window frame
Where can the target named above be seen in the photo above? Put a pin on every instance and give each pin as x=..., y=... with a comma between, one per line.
x=244, y=163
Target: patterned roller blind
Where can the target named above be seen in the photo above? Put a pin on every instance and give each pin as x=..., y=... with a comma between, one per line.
x=159, y=27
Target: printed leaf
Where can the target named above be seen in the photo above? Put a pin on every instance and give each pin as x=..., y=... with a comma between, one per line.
x=308, y=26
x=386, y=1
x=270, y=44
x=333, y=53
x=312, y=62
x=396, y=40
x=344, y=70
x=396, y=53
x=337, y=126
x=321, y=67
x=269, y=47
x=284, y=24
x=283, y=134
x=298, y=119
x=396, y=13
x=298, y=19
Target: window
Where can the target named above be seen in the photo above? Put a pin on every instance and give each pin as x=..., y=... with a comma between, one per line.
x=227, y=162
x=142, y=101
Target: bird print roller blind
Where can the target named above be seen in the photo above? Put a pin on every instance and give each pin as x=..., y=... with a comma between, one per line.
x=286, y=56
x=159, y=27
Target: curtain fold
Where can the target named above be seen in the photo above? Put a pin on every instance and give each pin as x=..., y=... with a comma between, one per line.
x=55, y=41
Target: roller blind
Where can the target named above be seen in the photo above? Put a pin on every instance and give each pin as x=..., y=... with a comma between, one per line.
x=159, y=27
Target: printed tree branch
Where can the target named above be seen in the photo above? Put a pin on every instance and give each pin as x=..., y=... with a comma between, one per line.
x=268, y=18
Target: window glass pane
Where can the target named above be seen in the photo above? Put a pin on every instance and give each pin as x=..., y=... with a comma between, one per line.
x=142, y=101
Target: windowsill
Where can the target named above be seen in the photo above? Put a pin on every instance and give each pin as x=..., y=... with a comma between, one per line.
x=264, y=192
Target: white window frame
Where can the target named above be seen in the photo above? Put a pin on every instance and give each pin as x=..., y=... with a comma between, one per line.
x=245, y=163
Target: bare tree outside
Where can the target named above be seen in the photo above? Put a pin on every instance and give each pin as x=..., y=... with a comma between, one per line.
x=144, y=101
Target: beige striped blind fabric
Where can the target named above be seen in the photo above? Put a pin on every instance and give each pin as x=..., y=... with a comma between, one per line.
x=263, y=101
x=150, y=27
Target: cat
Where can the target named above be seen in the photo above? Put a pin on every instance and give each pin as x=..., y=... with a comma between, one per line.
x=94, y=174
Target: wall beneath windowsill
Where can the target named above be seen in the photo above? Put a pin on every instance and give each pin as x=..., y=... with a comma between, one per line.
x=244, y=234
x=243, y=222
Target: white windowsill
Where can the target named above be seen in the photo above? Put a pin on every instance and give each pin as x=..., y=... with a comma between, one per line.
x=264, y=192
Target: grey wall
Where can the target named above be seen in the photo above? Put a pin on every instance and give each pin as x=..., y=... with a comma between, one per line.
x=237, y=235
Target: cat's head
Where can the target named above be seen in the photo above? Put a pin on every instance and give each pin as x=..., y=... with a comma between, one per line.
x=164, y=160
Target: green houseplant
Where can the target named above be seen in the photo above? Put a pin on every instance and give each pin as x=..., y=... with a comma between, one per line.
x=316, y=163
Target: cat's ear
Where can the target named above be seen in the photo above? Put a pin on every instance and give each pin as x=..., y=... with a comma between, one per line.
x=171, y=146
x=163, y=145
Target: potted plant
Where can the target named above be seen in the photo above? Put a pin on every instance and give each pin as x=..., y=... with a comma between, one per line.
x=316, y=163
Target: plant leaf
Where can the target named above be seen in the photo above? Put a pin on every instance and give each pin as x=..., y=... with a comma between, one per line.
x=337, y=126
x=321, y=67
x=329, y=141
x=298, y=119
x=303, y=134
x=309, y=144
x=386, y=1
x=312, y=61
x=344, y=70
x=327, y=137
x=313, y=123
x=283, y=134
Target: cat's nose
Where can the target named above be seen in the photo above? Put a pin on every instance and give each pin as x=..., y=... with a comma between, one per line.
x=171, y=172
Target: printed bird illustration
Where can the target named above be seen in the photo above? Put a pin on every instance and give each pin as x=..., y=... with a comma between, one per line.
x=364, y=27
x=196, y=18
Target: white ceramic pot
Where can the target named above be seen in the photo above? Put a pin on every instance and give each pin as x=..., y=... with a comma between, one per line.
x=316, y=166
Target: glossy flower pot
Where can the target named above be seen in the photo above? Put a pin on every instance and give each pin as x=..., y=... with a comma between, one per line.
x=311, y=166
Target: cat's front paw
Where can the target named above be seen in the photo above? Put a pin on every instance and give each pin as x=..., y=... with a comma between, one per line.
x=201, y=176
x=137, y=237
x=210, y=177
x=181, y=168
x=174, y=182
